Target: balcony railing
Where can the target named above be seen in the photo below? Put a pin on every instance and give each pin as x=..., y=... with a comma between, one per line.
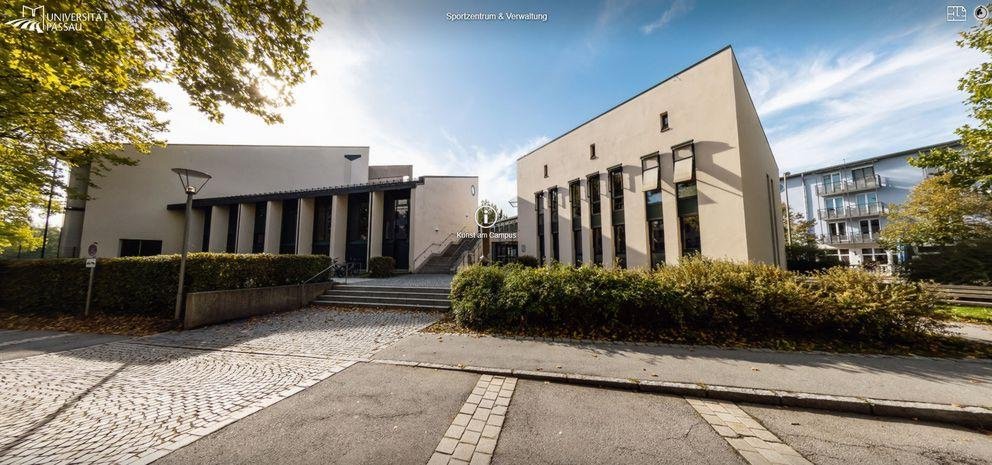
x=850, y=185
x=852, y=211
x=855, y=238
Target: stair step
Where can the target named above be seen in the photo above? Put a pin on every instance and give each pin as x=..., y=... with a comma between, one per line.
x=379, y=299
x=354, y=303
x=387, y=293
x=417, y=290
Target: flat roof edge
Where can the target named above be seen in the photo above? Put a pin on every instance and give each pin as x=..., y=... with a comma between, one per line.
x=950, y=143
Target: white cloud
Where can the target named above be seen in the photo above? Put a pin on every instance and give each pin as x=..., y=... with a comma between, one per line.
x=677, y=9
x=828, y=106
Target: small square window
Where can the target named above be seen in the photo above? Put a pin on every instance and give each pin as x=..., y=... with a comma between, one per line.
x=592, y=151
x=664, y=121
x=545, y=170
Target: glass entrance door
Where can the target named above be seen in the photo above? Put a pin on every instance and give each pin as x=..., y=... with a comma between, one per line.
x=396, y=227
x=356, y=251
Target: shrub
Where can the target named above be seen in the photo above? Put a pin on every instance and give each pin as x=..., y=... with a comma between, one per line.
x=382, y=267
x=699, y=296
x=142, y=285
x=529, y=261
x=804, y=258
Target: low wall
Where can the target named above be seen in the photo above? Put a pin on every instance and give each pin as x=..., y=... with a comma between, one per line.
x=205, y=308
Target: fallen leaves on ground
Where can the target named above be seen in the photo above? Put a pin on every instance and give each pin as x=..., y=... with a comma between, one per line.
x=123, y=325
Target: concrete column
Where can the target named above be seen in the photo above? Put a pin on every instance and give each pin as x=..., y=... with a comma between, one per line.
x=304, y=227
x=565, y=252
x=273, y=226
x=218, y=228
x=376, y=207
x=339, y=226
x=195, y=231
x=246, y=226
x=606, y=208
x=413, y=241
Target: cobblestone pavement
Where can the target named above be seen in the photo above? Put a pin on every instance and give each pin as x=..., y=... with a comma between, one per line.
x=473, y=433
x=748, y=437
x=127, y=402
x=313, y=331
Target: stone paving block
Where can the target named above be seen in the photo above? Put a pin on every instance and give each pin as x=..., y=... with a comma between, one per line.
x=487, y=404
x=486, y=445
x=470, y=437
x=454, y=431
x=476, y=425
x=491, y=431
x=461, y=419
x=447, y=445
x=438, y=459
x=463, y=451
x=481, y=459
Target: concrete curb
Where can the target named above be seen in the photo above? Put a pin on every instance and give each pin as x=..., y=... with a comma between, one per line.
x=972, y=416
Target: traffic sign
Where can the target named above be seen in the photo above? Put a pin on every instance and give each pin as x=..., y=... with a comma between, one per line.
x=92, y=250
x=90, y=263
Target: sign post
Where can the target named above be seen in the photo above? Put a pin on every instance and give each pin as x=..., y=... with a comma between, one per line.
x=91, y=264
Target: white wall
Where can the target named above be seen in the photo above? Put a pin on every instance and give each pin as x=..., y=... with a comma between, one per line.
x=442, y=206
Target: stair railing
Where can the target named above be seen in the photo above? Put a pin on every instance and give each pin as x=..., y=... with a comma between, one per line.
x=438, y=245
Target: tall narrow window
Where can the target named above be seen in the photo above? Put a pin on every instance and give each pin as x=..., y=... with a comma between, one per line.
x=595, y=218
x=287, y=233
x=207, y=214
x=576, y=210
x=321, y=244
x=539, y=206
x=592, y=152
x=258, y=239
x=545, y=170
x=650, y=172
x=684, y=158
x=553, y=204
x=656, y=227
x=232, y=229
x=664, y=122
x=688, y=208
x=617, y=217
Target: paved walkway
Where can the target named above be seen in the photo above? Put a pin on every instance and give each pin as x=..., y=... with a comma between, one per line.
x=137, y=400
x=946, y=381
x=20, y=344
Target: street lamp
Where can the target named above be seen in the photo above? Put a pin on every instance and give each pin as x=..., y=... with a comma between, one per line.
x=192, y=181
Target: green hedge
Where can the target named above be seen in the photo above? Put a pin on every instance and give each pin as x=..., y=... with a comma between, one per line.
x=735, y=300
x=969, y=264
x=142, y=285
x=382, y=267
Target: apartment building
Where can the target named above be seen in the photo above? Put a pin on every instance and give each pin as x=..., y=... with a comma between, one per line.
x=503, y=240
x=269, y=199
x=848, y=201
x=681, y=168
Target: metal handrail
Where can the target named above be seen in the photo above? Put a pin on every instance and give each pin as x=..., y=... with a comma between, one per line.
x=334, y=263
x=446, y=240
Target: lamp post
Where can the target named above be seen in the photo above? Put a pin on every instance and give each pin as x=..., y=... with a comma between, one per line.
x=788, y=211
x=192, y=181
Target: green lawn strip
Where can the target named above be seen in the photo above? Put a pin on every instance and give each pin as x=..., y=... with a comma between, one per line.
x=970, y=314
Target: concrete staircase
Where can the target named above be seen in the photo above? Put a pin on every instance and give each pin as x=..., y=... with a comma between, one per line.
x=447, y=261
x=357, y=295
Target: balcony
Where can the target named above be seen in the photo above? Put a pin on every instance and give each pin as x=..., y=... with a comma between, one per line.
x=852, y=211
x=850, y=185
x=849, y=239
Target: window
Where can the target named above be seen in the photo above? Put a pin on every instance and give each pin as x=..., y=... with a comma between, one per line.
x=616, y=188
x=620, y=245
x=594, y=197
x=258, y=239
x=650, y=172
x=232, y=229
x=863, y=177
x=576, y=204
x=684, y=156
x=287, y=233
x=545, y=170
x=840, y=254
x=687, y=205
x=837, y=229
x=207, y=214
x=867, y=203
x=831, y=182
x=869, y=228
x=597, y=245
x=553, y=204
x=539, y=207
x=592, y=152
x=656, y=228
x=140, y=247
x=321, y=244
x=874, y=255
x=664, y=122
x=834, y=205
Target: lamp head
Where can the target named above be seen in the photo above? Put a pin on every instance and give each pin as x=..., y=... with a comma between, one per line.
x=191, y=180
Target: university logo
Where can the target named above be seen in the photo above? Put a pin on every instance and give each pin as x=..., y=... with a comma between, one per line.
x=35, y=19
x=34, y=22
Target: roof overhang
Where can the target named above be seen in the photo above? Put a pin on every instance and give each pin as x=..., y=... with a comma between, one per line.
x=298, y=194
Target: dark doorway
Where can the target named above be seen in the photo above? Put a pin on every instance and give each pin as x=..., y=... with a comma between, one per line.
x=321, y=226
x=396, y=227
x=356, y=251
x=287, y=234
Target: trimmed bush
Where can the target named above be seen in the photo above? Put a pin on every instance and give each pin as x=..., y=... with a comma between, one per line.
x=382, y=267
x=529, y=261
x=699, y=296
x=957, y=264
x=142, y=285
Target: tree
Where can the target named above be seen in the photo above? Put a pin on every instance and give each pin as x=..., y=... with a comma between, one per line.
x=802, y=253
x=970, y=167
x=79, y=95
x=500, y=215
x=798, y=229
x=939, y=213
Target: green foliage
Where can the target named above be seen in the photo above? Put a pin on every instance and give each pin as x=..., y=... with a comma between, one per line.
x=938, y=213
x=529, y=261
x=971, y=167
x=382, y=267
x=78, y=96
x=808, y=257
x=964, y=263
x=797, y=228
x=142, y=285
x=736, y=300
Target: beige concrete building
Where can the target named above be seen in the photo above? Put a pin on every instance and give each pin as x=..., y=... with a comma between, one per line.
x=683, y=167
x=270, y=199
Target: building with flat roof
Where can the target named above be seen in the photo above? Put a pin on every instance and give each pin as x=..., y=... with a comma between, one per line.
x=269, y=199
x=681, y=168
x=848, y=201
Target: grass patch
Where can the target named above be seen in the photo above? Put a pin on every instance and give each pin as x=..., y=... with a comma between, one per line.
x=970, y=314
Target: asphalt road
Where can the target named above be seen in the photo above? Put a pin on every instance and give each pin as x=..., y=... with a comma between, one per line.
x=19, y=344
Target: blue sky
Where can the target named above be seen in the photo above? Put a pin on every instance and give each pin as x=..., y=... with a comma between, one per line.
x=831, y=80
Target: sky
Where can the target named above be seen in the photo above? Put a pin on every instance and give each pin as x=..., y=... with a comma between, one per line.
x=832, y=81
